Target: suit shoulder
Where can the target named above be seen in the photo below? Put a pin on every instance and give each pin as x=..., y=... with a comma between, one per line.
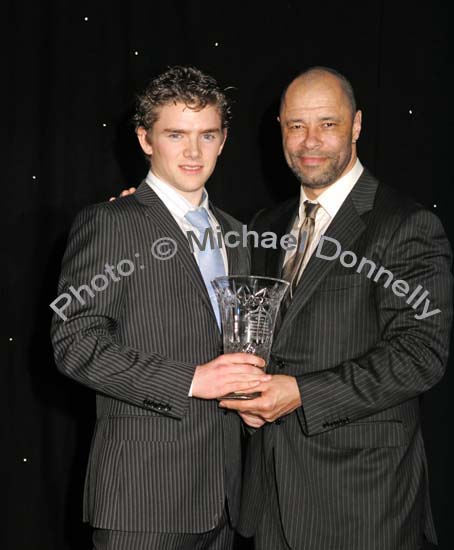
x=113, y=210
x=395, y=206
x=267, y=216
x=233, y=222
x=396, y=199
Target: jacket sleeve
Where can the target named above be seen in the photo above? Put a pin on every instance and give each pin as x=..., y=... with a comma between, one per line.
x=411, y=354
x=84, y=330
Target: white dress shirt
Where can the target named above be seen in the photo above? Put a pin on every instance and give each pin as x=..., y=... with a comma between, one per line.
x=178, y=206
x=330, y=202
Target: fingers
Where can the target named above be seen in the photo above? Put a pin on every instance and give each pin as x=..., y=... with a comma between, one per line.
x=263, y=385
x=248, y=378
x=125, y=193
x=244, y=358
x=222, y=369
x=225, y=364
x=245, y=375
x=252, y=420
x=241, y=405
x=246, y=370
x=241, y=376
x=242, y=386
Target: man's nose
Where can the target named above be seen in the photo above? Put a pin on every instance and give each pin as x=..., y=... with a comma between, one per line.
x=192, y=149
x=311, y=138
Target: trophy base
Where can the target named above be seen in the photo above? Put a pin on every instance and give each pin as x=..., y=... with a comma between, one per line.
x=240, y=396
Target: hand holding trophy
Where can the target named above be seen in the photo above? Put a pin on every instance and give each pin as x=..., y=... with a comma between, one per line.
x=249, y=306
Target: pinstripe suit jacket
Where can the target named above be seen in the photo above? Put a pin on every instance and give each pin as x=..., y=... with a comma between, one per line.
x=159, y=461
x=349, y=464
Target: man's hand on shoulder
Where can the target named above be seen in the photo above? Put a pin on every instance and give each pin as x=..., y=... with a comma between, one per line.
x=125, y=193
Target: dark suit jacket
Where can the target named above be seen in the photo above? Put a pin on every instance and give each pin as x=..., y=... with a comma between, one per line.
x=349, y=465
x=159, y=461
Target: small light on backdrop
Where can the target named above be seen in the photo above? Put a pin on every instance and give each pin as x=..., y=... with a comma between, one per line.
x=24, y=460
x=104, y=125
x=435, y=206
x=85, y=18
x=136, y=52
x=216, y=44
x=410, y=111
x=10, y=339
x=33, y=177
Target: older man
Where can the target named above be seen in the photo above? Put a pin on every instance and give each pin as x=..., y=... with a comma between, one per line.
x=339, y=463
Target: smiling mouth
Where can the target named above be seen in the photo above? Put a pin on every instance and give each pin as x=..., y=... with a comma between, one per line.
x=312, y=161
x=193, y=169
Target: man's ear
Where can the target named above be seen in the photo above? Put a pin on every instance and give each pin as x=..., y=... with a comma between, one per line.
x=142, y=136
x=356, y=126
x=224, y=139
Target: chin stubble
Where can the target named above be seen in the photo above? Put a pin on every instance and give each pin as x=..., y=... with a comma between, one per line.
x=325, y=179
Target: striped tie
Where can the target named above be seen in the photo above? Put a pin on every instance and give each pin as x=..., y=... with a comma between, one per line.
x=292, y=268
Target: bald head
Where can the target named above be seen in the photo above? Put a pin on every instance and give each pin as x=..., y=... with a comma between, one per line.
x=329, y=76
x=320, y=126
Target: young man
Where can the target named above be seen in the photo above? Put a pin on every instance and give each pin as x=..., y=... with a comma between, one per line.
x=140, y=326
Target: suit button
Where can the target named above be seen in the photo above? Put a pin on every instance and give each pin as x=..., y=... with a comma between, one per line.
x=278, y=421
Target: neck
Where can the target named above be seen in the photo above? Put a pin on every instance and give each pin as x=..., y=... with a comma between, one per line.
x=313, y=194
x=194, y=197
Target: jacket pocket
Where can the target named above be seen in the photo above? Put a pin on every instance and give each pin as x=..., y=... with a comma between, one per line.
x=142, y=428
x=368, y=435
x=342, y=281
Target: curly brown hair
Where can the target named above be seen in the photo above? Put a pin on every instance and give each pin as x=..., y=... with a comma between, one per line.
x=180, y=84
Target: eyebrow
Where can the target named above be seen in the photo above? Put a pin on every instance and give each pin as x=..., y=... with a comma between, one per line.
x=336, y=118
x=181, y=131
x=321, y=119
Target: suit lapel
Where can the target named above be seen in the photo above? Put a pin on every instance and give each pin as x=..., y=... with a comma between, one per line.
x=345, y=228
x=160, y=216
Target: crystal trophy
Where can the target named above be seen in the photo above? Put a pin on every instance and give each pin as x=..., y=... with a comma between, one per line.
x=249, y=307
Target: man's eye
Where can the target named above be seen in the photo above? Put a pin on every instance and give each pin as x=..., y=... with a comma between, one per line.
x=328, y=125
x=174, y=135
x=208, y=137
x=296, y=126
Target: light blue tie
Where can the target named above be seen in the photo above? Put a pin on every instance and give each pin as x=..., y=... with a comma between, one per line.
x=210, y=260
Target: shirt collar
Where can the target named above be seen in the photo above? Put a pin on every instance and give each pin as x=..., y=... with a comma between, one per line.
x=332, y=198
x=175, y=202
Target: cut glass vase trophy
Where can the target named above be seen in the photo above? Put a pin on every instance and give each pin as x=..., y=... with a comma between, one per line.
x=249, y=308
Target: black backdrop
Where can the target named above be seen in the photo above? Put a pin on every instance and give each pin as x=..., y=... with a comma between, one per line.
x=70, y=72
